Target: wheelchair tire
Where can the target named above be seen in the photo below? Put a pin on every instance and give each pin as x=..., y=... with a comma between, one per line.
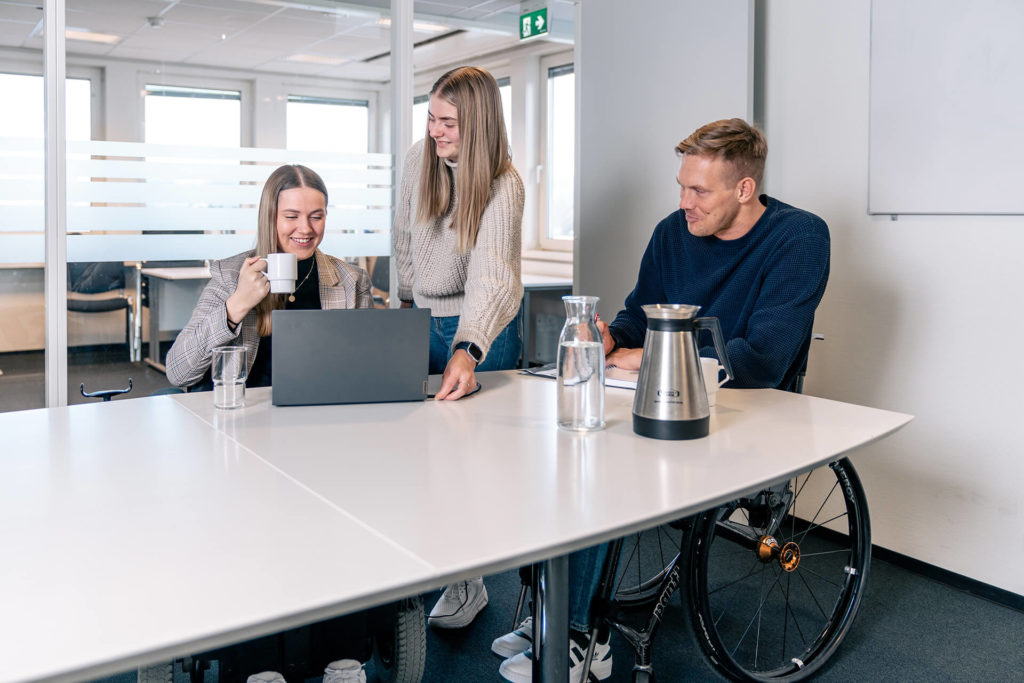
x=776, y=608
x=645, y=559
x=157, y=673
x=400, y=653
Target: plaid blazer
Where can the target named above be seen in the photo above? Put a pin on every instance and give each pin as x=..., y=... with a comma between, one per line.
x=341, y=286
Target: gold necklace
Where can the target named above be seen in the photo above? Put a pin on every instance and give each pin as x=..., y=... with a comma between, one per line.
x=291, y=297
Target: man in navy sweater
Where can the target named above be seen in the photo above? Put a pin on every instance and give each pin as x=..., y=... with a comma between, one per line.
x=758, y=265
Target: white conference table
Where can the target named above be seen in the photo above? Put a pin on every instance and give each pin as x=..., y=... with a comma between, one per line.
x=141, y=530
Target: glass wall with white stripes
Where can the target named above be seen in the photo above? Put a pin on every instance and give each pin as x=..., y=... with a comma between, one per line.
x=176, y=113
x=22, y=322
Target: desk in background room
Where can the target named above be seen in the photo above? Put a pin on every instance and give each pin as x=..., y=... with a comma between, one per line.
x=536, y=287
x=172, y=294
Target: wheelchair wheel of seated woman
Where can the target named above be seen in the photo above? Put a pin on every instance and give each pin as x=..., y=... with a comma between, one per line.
x=773, y=581
x=400, y=645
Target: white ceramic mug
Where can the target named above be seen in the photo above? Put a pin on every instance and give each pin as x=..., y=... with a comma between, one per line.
x=710, y=368
x=282, y=269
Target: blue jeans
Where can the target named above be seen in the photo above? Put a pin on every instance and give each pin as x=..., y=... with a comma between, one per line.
x=503, y=354
x=584, y=576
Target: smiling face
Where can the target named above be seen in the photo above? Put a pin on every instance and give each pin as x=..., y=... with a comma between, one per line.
x=443, y=127
x=709, y=198
x=301, y=219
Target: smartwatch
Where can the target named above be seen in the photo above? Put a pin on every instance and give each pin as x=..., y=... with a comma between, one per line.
x=474, y=351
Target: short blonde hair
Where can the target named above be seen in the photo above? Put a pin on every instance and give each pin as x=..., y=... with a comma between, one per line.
x=735, y=141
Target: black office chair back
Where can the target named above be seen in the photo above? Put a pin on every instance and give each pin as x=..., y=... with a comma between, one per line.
x=95, y=277
x=794, y=377
x=381, y=275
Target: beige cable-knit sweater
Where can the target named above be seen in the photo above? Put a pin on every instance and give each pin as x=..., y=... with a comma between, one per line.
x=484, y=286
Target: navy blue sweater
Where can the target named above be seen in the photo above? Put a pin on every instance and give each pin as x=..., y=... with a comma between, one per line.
x=762, y=287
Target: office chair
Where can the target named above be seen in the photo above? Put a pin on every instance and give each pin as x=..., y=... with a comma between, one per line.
x=96, y=278
x=380, y=278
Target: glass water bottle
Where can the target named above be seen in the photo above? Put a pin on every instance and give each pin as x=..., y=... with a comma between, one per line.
x=580, y=367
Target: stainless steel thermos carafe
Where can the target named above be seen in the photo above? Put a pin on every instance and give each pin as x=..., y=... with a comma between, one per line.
x=671, y=401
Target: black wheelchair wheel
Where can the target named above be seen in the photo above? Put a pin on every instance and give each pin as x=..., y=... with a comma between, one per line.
x=400, y=652
x=156, y=673
x=775, y=580
x=645, y=559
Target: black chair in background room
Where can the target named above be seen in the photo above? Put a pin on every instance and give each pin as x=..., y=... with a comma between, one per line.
x=89, y=281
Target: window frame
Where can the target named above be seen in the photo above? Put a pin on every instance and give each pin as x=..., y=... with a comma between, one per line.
x=174, y=80
x=544, y=242
x=292, y=89
x=93, y=74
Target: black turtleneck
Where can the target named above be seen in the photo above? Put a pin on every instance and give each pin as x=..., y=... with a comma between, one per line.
x=307, y=296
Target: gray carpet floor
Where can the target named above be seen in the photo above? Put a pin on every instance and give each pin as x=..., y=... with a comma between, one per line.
x=22, y=377
x=910, y=628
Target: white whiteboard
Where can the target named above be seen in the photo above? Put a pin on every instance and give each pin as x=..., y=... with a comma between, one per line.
x=947, y=107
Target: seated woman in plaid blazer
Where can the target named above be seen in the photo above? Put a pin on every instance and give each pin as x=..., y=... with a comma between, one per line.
x=234, y=308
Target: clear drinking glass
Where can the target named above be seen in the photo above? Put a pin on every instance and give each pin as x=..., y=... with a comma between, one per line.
x=228, y=370
x=580, y=367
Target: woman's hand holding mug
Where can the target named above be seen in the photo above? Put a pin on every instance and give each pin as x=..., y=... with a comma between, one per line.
x=252, y=287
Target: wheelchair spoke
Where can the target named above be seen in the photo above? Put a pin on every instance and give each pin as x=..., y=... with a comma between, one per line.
x=796, y=623
x=810, y=571
x=813, y=596
x=812, y=527
x=804, y=556
x=812, y=522
x=756, y=616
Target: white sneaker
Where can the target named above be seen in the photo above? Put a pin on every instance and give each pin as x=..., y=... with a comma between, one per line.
x=266, y=677
x=459, y=604
x=519, y=669
x=344, y=671
x=511, y=644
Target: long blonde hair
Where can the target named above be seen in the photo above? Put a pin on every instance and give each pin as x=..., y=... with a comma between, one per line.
x=483, y=153
x=287, y=177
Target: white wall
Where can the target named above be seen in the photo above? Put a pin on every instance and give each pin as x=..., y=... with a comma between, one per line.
x=645, y=80
x=922, y=315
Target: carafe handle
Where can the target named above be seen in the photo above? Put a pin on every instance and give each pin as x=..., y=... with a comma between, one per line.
x=716, y=334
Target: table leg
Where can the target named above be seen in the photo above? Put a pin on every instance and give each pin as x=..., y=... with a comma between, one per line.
x=527, y=320
x=551, y=620
x=137, y=316
x=154, y=323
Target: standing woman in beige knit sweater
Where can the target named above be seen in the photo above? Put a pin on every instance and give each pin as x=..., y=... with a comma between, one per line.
x=457, y=246
x=457, y=232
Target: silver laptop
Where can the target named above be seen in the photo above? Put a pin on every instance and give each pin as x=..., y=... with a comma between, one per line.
x=362, y=355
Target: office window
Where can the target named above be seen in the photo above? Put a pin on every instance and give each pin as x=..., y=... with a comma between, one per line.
x=559, y=147
x=327, y=124
x=22, y=191
x=22, y=117
x=421, y=103
x=193, y=116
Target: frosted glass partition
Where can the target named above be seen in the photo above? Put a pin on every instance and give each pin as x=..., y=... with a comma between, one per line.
x=130, y=201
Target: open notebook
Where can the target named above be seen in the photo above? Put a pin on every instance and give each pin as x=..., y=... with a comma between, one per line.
x=613, y=376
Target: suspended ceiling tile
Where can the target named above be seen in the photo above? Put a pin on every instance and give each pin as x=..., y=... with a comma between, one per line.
x=207, y=16
x=234, y=6
x=30, y=13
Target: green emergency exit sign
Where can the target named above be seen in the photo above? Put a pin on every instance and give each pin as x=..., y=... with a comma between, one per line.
x=533, y=24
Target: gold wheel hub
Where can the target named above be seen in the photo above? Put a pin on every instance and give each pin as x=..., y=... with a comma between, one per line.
x=788, y=555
